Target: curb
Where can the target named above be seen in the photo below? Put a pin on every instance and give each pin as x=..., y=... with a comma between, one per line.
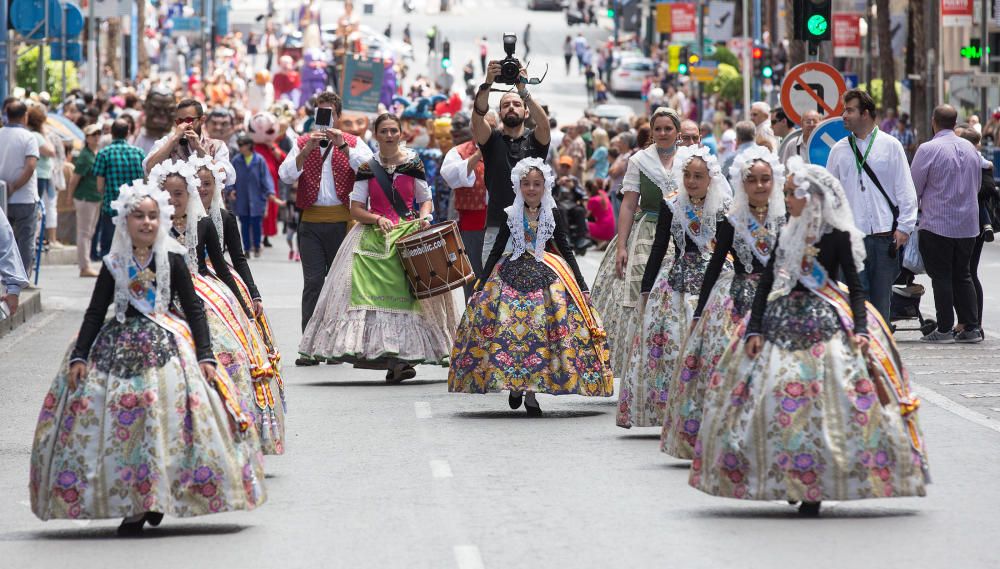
x=30, y=304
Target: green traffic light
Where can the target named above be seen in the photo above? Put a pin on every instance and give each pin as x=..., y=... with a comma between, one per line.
x=817, y=24
x=446, y=63
x=767, y=72
x=611, y=12
x=682, y=69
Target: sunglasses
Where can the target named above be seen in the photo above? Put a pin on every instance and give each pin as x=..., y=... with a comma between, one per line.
x=187, y=120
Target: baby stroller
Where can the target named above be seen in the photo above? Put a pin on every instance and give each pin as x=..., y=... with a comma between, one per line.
x=905, y=305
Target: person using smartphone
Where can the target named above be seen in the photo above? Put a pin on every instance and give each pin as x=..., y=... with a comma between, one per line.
x=325, y=177
x=187, y=140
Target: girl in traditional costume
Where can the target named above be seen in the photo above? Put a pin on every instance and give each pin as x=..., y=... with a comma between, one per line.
x=748, y=234
x=670, y=291
x=531, y=328
x=236, y=343
x=269, y=392
x=816, y=405
x=648, y=181
x=138, y=423
x=367, y=315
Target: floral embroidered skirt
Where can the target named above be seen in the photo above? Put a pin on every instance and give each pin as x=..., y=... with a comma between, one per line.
x=239, y=348
x=525, y=332
x=617, y=300
x=803, y=420
x=144, y=431
x=656, y=347
x=339, y=332
x=723, y=322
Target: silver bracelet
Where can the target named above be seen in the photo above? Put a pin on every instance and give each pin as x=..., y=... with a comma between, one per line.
x=524, y=94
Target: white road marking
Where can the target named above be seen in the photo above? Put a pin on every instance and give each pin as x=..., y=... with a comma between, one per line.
x=829, y=140
x=423, y=409
x=980, y=395
x=962, y=411
x=467, y=557
x=440, y=469
x=972, y=382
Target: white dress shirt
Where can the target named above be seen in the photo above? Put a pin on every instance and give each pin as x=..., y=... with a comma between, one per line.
x=289, y=172
x=888, y=160
x=455, y=170
x=221, y=157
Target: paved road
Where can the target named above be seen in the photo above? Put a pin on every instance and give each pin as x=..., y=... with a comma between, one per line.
x=411, y=476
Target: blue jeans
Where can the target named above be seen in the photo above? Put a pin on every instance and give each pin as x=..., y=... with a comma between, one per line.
x=880, y=272
x=104, y=233
x=251, y=227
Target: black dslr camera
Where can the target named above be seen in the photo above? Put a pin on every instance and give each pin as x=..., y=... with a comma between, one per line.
x=510, y=67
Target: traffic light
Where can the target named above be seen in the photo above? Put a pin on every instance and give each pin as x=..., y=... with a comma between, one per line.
x=766, y=70
x=446, y=54
x=611, y=10
x=682, y=66
x=812, y=20
x=757, y=55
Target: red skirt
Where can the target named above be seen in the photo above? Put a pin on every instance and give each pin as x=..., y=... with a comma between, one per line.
x=271, y=220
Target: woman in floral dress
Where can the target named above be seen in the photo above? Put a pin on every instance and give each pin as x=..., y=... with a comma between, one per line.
x=748, y=234
x=237, y=345
x=269, y=389
x=648, y=181
x=138, y=423
x=688, y=220
x=530, y=328
x=816, y=405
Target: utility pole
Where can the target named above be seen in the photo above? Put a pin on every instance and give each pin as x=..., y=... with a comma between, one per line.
x=92, y=55
x=984, y=57
x=747, y=65
x=41, y=50
x=700, y=50
x=4, y=50
x=62, y=34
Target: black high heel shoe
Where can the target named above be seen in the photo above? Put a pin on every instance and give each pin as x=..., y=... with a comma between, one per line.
x=131, y=529
x=514, y=399
x=809, y=509
x=153, y=518
x=533, y=410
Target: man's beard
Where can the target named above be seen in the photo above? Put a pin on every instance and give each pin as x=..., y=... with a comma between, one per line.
x=512, y=121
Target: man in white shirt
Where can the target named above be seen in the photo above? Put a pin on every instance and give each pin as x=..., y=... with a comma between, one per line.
x=796, y=145
x=18, y=157
x=885, y=230
x=760, y=115
x=325, y=177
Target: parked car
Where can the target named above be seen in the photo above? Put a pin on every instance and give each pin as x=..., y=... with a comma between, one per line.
x=611, y=112
x=546, y=4
x=630, y=74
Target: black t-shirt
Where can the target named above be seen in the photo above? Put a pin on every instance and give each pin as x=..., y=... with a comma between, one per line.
x=500, y=154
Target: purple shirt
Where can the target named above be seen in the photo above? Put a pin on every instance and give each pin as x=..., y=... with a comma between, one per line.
x=946, y=173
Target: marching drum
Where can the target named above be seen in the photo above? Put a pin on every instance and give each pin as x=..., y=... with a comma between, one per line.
x=434, y=260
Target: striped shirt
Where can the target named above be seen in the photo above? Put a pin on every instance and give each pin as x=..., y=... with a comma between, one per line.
x=947, y=173
x=119, y=163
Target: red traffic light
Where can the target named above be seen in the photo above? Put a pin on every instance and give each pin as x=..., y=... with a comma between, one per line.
x=757, y=53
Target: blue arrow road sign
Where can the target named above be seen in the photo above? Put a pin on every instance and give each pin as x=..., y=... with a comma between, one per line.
x=823, y=138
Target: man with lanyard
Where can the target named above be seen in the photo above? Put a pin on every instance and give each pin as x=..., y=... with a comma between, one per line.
x=873, y=169
x=503, y=148
x=325, y=174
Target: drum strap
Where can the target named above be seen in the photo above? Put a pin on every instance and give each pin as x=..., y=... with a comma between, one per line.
x=385, y=182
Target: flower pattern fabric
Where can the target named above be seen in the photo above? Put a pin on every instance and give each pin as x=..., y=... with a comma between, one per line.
x=534, y=340
x=613, y=296
x=140, y=433
x=656, y=347
x=801, y=424
x=723, y=322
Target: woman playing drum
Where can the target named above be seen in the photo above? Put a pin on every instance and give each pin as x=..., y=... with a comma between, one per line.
x=367, y=314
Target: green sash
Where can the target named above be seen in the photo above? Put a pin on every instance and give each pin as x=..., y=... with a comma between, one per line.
x=378, y=281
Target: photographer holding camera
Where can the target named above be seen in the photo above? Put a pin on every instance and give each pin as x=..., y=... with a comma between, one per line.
x=502, y=148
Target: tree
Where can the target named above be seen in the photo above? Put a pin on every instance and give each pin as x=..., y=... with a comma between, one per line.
x=919, y=43
x=887, y=59
x=728, y=84
x=27, y=74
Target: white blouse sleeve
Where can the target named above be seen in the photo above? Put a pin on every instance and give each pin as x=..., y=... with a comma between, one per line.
x=360, y=193
x=631, y=181
x=421, y=191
